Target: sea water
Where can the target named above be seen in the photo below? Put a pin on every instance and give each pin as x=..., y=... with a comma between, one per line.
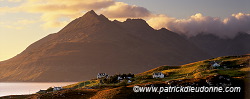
x=23, y=88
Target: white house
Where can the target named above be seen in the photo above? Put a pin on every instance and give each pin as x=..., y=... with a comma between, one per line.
x=129, y=81
x=158, y=75
x=119, y=78
x=57, y=88
x=101, y=75
x=129, y=77
x=216, y=64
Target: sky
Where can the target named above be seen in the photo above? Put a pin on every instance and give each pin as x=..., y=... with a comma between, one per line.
x=22, y=22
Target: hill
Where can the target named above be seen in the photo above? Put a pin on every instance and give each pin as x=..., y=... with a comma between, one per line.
x=216, y=46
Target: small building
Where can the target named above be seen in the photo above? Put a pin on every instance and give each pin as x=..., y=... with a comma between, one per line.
x=129, y=81
x=57, y=88
x=158, y=75
x=102, y=75
x=119, y=78
x=216, y=64
x=129, y=77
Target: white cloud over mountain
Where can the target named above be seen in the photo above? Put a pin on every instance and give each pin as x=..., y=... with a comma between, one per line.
x=225, y=28
x=123, y=10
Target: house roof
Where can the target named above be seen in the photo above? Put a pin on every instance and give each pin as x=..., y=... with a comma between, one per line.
x=213, y=62
x=157, y=73
x=102, y=74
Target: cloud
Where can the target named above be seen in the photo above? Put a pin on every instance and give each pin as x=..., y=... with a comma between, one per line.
x=123, y=10
x=17, y=24
x=52, y=11
x=65, y=6
x=11, y=27
x=6, y=9
x=25, y=22
x=15, y=0
x=195, y=24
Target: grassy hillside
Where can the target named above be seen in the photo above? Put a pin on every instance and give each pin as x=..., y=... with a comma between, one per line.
x=235, y=67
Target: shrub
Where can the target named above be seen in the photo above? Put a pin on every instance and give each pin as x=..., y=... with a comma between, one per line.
x=123, y=83
x=50, y=89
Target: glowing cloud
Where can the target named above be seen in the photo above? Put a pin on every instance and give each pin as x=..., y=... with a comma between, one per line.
x=226, y=28
x=54, y=10
x=123, y=10
x=14, y=0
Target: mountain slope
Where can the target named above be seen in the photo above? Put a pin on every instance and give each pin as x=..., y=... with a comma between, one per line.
x=92, y=44
x=216, y=46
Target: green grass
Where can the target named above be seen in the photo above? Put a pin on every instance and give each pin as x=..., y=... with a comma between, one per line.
x=232, y=73
x=82, y=84
x=200, y=69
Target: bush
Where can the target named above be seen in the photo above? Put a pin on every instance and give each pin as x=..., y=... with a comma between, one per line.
x=198, y=75
x=123, y=83
x=49, y=89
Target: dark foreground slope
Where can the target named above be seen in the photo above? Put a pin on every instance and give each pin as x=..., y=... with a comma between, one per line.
x=92, y=44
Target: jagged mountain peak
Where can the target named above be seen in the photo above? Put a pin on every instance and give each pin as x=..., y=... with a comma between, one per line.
x=135, y=24
x=87, y=20
x=164, y=30
x=136, y=21
x=92, y=15
x=91, y=12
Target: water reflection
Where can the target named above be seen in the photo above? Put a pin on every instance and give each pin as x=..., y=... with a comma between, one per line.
x=20, y=88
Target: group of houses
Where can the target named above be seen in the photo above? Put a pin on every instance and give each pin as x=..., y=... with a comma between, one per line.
x=102, y=75
x=158, y=75
x=120, y=77
x=53, y=89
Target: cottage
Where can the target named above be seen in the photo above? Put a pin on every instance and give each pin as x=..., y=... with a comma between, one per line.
x=57, y=88
x=119, y=78
x=129, y=77
x=129, y=81
x=216, y=64
x=158, y=75
x=102, y=75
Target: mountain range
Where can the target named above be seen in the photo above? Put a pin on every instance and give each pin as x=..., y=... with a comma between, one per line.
x=92, y=44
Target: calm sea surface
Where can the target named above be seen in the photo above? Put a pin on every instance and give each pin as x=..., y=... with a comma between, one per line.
x=20, y=88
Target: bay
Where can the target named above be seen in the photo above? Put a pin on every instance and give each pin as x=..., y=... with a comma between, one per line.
x=23, y=88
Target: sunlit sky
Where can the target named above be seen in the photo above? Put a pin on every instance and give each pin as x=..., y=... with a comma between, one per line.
x=22, y=22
